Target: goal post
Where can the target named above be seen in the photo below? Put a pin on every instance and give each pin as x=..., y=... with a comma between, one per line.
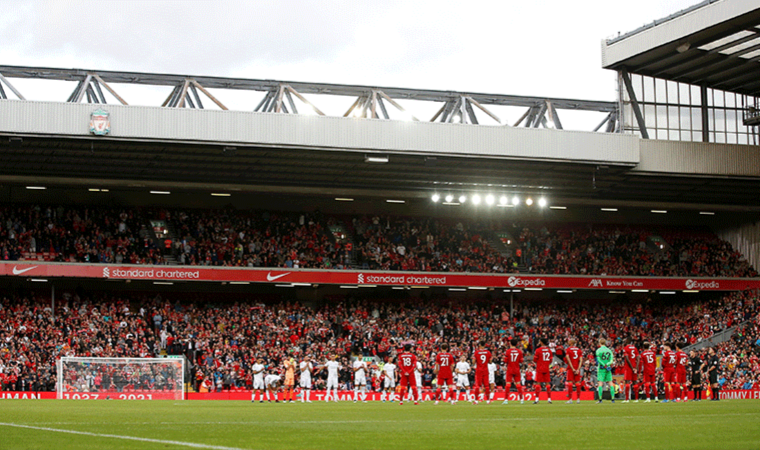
x=85, y=378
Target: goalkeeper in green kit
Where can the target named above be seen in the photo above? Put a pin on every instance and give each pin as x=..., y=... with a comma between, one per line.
x=604, y=360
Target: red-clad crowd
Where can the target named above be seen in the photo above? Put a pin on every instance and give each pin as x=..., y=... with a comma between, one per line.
x=222, y=336
x=627, y=250
x=94, y=235
x=304, y=240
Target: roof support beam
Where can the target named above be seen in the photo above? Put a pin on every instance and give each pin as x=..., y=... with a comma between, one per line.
x=634, y=103
x=705, y=117
x=109, y=89
x=10, y=86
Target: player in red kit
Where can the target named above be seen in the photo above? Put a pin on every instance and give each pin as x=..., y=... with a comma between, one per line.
x=682, y=360
x=444, y=361
x=573, y=357
x=513, y=358
x=407, y=362
x=669, y=371
x=649, y=371
x=482, y=359
x=630, y=370
x=543, y=359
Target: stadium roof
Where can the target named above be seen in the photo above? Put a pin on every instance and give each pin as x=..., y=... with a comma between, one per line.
x=715, y=44
x=140, y=165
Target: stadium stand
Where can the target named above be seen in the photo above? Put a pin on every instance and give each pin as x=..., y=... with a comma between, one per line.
x=222, y=336
x=303, y=240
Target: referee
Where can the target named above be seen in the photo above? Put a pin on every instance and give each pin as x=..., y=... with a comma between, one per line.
x=696, y=365
x=713, y=366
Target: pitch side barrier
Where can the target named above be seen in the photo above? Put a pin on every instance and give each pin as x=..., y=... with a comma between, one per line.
x=244, y=395
x=300, y=277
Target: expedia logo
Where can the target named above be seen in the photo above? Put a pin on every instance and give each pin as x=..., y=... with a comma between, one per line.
x=106, y=272
x=516, y=281
x=360, y=279
x=691, y=284
x=595, y=282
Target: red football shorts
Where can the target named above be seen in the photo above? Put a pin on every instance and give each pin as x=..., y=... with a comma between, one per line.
x=669, y=376
x=514, y=377
x=445, y=380
x=628, y=374
x=481, y=379
x=407, y=379
x=650, y=378
x=681, y=376
x=573, y=377
x=543, y=377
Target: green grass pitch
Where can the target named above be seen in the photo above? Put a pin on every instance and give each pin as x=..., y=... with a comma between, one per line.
x=48, y=424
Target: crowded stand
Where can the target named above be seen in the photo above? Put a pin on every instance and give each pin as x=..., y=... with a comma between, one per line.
x=88, y=235
x=303, y=240
x=627, y=250
x=223, y=337
x=386, y=243
x=740, y=358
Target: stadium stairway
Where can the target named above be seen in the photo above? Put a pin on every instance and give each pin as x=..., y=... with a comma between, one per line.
x=717, y=338
x=339, y=233
x=498, y=241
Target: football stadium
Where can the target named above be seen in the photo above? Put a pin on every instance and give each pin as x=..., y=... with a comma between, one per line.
x=490, y=275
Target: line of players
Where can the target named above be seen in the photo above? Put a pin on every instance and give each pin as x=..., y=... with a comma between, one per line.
x=639, y=369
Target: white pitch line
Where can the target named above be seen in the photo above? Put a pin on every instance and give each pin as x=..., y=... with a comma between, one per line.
x=115, y=436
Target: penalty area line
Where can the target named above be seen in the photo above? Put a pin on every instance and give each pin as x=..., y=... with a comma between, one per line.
x=116, y=436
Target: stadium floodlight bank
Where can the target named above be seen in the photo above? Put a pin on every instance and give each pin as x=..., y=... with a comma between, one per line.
x=84, y=378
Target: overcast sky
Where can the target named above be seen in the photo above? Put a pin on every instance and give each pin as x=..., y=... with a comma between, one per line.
x=542, y=48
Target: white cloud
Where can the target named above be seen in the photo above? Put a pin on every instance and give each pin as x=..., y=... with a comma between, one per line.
x=542, y=48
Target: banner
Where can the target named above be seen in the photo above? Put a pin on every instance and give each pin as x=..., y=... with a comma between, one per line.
x=557, y=396
x=297, y=277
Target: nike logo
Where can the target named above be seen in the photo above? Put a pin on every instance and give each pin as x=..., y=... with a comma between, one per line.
x=19, y=272
x=272, y=278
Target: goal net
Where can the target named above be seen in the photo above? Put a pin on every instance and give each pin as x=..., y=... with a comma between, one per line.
x=81, y=378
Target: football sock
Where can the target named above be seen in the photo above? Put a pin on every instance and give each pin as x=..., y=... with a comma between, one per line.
x=601, y=391
x=549, y=392
x=356, y=394
x=468, y=394
x=538, y=391
x=578, y=390
x=520, y=391
x=491, y=395
x=267, y=394
x=308, y=395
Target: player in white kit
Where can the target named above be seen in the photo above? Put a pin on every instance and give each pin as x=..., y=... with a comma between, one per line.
x=333, y=366
x=305, y=380
x=258, y=380
x=462, y=371
x=389, y=381
x=418, y=380
x=273, y=383
x=360, y=380
x=492, y=368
